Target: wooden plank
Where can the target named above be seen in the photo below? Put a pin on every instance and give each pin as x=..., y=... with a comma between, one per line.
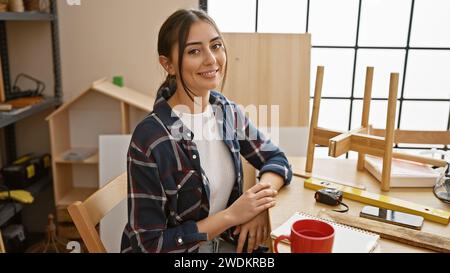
x=339, y=145
x=322, y=136
x=393, y=232
x=274, y=69
x=2, y=84
x=367, y=141
x=76, y=194
x=129, y=96
x=62, y=215
x=383, y=201
x=417, y=137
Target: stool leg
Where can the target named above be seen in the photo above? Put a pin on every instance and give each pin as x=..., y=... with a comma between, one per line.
x=366, y=111
x=314, y=119
x=390, y=130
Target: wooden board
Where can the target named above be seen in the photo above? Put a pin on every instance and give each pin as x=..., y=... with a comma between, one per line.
x=393, y=232
x=2, y=87
x=270, y=69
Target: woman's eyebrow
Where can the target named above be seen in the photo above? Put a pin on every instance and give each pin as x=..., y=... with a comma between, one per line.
x=199, y=43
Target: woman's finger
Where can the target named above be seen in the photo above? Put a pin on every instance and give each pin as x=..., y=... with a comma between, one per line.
x=251, y=241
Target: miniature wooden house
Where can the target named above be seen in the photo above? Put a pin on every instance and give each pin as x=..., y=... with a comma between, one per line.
x=102, y=109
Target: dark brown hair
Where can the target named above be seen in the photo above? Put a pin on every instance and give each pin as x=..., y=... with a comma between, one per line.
x=176, y=30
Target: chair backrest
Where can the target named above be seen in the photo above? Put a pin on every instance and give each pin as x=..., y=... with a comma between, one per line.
x=2, y=246
x=86, y=215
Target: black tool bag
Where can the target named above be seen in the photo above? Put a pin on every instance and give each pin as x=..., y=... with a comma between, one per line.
x=26, y=170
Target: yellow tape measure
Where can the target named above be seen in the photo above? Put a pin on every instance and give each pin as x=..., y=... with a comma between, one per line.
x=383, y=201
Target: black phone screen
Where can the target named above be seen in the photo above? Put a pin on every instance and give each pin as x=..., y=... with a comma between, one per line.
x=393, y=217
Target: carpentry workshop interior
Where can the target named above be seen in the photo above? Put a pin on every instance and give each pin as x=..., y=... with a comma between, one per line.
x=330, y=118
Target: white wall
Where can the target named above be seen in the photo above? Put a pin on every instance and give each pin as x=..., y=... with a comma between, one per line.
x=113, y=37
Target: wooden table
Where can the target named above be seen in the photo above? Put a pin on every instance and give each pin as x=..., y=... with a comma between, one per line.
x=297, y=198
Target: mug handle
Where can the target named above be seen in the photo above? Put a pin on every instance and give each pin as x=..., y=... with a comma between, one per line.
x=278, y=239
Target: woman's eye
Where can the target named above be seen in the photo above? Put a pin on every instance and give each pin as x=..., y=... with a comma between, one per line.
x=217, y=46
x=193, y=51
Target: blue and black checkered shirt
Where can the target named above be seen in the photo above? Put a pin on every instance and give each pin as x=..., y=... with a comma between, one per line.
x=168, y=191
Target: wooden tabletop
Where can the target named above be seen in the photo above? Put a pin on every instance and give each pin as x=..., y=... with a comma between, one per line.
x=297, y=198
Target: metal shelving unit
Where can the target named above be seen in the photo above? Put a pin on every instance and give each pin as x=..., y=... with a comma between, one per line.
x=7, y=120
x=9, y=209
x=26, y=16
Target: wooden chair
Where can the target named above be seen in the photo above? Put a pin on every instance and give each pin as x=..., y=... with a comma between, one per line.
x=2, y=246
x=86, y=215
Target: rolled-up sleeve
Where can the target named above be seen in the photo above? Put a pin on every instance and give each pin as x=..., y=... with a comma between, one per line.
x=147, y=228
x=260, y=151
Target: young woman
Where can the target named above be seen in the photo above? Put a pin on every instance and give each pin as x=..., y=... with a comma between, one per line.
x=185, y=178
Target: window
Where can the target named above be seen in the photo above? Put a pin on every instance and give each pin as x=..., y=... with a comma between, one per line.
x=405, y=36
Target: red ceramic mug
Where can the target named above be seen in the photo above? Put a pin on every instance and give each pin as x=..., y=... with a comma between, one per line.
x=309, y=236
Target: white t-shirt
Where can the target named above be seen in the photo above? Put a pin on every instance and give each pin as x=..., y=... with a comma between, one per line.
x=215, y=157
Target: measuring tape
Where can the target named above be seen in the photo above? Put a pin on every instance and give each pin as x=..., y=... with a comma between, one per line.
x=382, y=201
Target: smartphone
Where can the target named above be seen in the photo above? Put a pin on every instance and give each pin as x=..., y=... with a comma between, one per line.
x=392, y=217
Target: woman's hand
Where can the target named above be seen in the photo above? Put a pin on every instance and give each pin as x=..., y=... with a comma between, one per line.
x=254, y=201
x=257, y=231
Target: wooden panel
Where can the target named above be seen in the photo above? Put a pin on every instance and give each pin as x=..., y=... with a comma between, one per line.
x=125, y=94
x=68, y=231
x=62, y=215
x=62, y=180
x=76, y=194
x=2, y=90
x=270, y=69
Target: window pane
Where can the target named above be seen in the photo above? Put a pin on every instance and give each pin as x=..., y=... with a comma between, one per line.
x=233, y=15
x=427, y=74
x=384, y=22
x=421, y=115
x=333, y=114
x=377, y=114
x=384, y=62
x=431, y=21
x=338, y=63
x=333, y=22
x=282, y=16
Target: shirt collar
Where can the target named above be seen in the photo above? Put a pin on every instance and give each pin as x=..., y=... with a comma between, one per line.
x=171, y=120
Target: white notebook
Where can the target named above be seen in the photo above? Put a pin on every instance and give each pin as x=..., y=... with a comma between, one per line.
x=346, y=239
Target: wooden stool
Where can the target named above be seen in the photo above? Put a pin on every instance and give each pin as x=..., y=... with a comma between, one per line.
x=366, y=140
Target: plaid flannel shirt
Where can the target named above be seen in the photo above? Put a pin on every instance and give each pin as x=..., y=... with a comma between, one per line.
x=168, y=191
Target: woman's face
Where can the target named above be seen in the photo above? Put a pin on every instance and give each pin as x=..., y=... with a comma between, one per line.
x=204, y=59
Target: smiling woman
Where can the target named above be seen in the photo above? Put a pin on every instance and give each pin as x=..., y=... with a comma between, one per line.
x=185, y=175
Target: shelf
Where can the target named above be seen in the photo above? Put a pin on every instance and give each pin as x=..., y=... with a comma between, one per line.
x=9, y=209
x=91, y=160
x=26, y=16
x=76, y=194
x=7, y=118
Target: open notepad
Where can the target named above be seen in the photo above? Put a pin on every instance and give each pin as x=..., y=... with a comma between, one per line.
x=346, y=239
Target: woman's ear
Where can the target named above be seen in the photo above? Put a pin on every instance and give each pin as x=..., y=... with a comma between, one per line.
x=167, y=64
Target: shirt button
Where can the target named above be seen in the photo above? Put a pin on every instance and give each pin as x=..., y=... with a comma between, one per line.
x=194, y=156
x=180, y=241
x=179, y=186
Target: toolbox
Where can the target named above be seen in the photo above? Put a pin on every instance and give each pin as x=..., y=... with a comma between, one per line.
x=26, y=170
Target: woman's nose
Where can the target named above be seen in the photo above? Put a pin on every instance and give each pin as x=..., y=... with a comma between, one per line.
x=210, y=58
